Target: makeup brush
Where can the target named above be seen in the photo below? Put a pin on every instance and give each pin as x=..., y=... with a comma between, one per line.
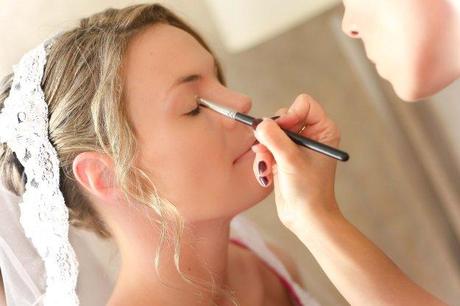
x=298, y=139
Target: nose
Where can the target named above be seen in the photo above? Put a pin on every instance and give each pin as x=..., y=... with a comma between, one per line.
x=240, y=103
x=244, y=104
x=348, y=27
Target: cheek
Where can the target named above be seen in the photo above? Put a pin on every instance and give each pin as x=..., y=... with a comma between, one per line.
x=187, y=163
x=196, y=184
x=406, y=49
x=400, y=58
x=189, y=170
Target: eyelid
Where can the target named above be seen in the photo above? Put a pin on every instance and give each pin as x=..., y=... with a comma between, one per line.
x=191, y=78
x=197, y=77
x=195, y=111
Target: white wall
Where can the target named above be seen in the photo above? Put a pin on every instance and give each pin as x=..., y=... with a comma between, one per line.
x=26, y=23
x=243, y=24
x=240, y=24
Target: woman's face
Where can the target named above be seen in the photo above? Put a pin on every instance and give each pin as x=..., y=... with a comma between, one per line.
x=413, y=43
x=189, y=155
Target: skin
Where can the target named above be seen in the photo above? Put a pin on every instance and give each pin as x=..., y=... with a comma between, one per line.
x=424, y=36
x=189, y=158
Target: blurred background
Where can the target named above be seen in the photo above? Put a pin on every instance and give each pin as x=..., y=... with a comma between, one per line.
x=401, y=187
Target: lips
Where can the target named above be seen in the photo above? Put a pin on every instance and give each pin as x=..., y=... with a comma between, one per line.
x=246, y=150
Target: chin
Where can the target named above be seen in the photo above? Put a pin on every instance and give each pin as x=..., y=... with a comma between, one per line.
x=265, y=192
x=254, y=195
x=412, y=90
x=418, y=93
x=409, y=95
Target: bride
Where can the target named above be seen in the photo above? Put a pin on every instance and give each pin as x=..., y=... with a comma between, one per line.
x=143, y=165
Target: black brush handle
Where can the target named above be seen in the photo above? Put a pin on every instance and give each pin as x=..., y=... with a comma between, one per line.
x=317, y=146
x=299, y=139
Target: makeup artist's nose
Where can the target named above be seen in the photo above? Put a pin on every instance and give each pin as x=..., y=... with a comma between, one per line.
x=348, y=27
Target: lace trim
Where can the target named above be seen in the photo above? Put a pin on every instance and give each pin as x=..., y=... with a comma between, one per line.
x=44, y=215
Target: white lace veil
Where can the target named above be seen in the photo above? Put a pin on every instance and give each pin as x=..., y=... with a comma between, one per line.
x=38, y=264
x=24, y=271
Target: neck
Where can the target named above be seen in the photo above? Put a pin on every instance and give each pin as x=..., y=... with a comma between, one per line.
x=203, y=252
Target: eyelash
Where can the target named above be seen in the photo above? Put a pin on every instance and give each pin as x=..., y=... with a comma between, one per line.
x=195, y=112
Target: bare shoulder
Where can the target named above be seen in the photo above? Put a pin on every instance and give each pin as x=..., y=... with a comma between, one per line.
x=287, y=261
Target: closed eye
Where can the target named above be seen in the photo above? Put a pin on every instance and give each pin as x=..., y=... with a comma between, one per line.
x=190, y=78
x=194, y=112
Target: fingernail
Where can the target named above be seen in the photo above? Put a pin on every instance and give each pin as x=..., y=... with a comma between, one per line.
x=262, y=166
x=263, y=180
x=256, y=122
x=275, y=117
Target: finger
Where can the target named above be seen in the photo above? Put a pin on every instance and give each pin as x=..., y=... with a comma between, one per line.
x=307, y=111
x=262, y=148
x=325, y=131
x=308, y=108
x=259, y=148
x=288, y=121
x=262, y=168
x=283, y=149
x=281, y=111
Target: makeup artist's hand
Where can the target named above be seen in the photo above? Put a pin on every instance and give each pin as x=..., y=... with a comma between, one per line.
x=303, y=179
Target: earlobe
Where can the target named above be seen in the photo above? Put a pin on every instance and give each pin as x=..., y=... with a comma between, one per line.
x=93, y=172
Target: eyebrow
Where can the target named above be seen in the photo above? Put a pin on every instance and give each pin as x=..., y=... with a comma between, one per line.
x=189, y=78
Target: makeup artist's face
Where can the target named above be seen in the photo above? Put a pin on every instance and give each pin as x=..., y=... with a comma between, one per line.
x=410, y=41
x=189, y=155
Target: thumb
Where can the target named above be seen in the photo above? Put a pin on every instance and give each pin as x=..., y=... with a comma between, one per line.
x=283, y=149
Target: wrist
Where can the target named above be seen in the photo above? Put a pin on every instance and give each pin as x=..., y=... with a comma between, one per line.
x=314, y=222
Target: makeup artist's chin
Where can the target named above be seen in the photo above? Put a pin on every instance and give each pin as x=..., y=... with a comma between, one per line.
x=407, y=88
x=399, y=87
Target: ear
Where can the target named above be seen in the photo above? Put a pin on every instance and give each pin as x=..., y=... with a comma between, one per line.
x=94, y=171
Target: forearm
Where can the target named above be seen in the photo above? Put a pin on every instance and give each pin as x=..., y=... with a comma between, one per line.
x=361, y=272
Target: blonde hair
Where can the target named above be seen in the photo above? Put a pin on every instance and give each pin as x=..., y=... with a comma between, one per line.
x=83, y=88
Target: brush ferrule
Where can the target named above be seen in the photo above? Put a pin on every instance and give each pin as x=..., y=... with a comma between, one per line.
x=218, y=108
